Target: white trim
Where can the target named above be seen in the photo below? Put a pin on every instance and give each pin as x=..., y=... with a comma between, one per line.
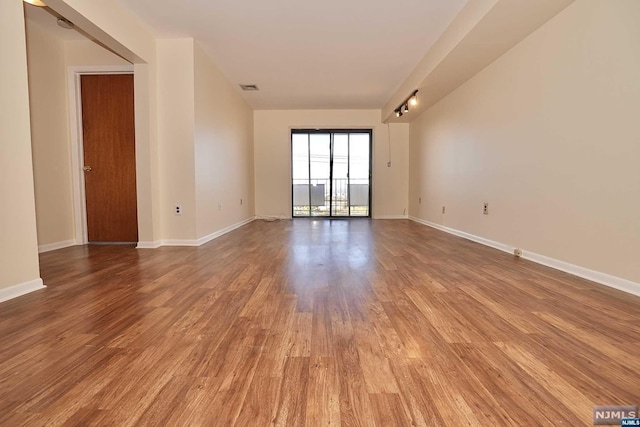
x=215, y=235
x=149, y=245
x=390, y=217
x=21, y=289
x=477, y=239
x=75, y=133
x=54, y=246
x=179, y=242
x=576, y=270
x=595, y=276
x=197, y=242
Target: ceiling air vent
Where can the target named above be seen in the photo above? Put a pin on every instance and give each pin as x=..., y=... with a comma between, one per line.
x=249, y=87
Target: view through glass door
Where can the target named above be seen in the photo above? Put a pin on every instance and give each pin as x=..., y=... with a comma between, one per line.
x=331, y=171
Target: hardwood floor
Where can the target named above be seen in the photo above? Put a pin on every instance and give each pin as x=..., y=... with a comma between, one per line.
x=316, y=323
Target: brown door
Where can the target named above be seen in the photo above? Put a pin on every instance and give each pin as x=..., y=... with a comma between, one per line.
x=109, y=157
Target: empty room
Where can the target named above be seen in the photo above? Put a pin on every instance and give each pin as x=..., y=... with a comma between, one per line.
x=340, y=213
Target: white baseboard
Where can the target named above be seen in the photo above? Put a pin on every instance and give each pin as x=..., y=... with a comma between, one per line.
x=215, y=235
x=595, y=276
x=390, y=217
x=149, y=245
x=195, y=242
x=57, y=245
x=481, y=240
x=576, y=270
x=21, y=289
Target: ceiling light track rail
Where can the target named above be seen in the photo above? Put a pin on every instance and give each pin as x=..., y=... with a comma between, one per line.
x=411, y=100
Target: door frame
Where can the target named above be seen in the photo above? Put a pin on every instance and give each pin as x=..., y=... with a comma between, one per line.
x=77, y=145
x=331, y=131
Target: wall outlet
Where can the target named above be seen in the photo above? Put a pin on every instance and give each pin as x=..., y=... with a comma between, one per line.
x=486, y=209
x=443, y=210
x=517, y=252
x=389, y=164
x=177, y=209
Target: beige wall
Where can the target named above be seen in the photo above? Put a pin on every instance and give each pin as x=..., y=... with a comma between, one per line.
x=18, y=240
x=548, y=135
x=87, y=52
x=223, y=150
x=272, y=145
x=50, y=136
x=176, y=132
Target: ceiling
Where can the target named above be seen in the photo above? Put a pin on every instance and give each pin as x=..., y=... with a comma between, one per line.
x=306, y=55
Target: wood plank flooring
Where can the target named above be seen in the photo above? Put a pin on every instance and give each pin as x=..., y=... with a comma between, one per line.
x=314, y=323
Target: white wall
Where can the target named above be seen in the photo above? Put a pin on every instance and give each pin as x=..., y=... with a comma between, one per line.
x=223, y=141
x=272, y=145
x=549, y=136
x=18, y=240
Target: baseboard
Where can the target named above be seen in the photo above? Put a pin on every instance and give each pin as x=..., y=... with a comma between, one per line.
x=21, y=289
x=149, y=245
x=595, y=276
x=205, y=239
x=576, y=270
x=215, y=235
x=57, y=245
x=477, y=239
x=390, y=217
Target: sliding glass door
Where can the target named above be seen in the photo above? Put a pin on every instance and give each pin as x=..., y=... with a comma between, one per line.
x=331, y=171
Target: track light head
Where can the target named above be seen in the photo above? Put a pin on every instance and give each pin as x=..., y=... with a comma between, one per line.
x=413, y=101
x=405, y=108
x=398, y=113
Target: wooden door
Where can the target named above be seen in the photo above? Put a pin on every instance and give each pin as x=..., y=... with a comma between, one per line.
x=109, y=157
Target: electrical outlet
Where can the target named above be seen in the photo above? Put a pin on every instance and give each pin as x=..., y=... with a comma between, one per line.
x=389, y=164
x=517, y=252
x=443, y=210
x=178, y=210
x=486, y=209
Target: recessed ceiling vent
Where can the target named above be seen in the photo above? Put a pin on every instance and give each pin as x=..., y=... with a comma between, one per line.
x=249, y=87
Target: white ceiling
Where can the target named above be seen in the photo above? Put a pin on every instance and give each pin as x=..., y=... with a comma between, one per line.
x=303, y=54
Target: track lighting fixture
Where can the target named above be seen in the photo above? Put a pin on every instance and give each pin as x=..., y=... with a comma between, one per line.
x=404, y=106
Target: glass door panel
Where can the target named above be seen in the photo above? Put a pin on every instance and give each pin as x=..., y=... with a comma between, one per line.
x=359, y=174
x=340, y=176
x=320, y=173
x=300, y=174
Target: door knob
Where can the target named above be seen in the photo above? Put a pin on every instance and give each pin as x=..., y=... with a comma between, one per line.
x=87, y=168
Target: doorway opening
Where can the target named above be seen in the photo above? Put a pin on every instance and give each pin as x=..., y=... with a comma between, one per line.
x=331, y=172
